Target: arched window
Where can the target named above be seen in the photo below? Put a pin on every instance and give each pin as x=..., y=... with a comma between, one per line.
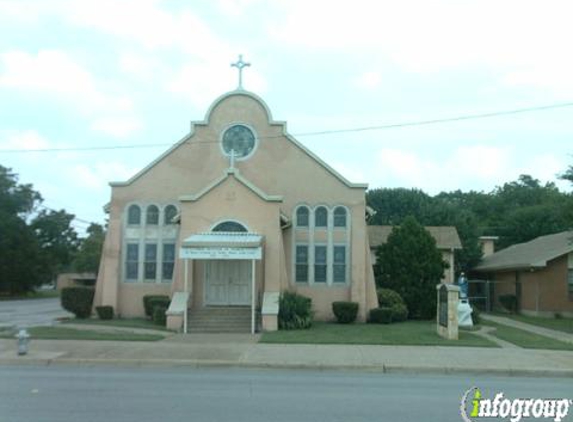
x=152, y=216
x=229, y=226
x=302, y=217
x=134, y=215
x=321, y=217
x=170, y=213
x=339, y=217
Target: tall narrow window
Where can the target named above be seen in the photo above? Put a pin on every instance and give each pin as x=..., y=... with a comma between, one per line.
x=132, y=262
x=302, y=263
x=150, y=261
x=152, y=217
x=339, y=264
x=134, y=215
x=320, y=264
x=302, y=217
x=170, y=213
x=168, y=261
x=339, y=217
x=321, y=217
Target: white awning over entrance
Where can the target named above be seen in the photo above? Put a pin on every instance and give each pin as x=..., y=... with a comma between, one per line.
x=222, y=245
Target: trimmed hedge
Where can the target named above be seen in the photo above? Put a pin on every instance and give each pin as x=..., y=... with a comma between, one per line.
x=78, y=300
x=295, y=311
x=509, y=302
x=159, y=316
x=382, y=315
x=345, y=312
x=389, y=298
x=399, y=312
x=104, y=312
x=150, y=301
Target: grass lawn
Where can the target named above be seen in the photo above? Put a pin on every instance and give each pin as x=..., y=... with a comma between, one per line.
x=410, y=333
x=64, y=333
x=119, y=322
x=563, y=324
x=526, y=339
x=41, y=294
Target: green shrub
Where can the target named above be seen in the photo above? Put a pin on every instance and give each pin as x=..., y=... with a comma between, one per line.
x=78, y=300
x=382, y=315
x=509, y=302
x=104, y=312
x=159, y=316
x=345, y=312
x=294, y=311
x=149, y=306
x=389, y=297
x=399, y=312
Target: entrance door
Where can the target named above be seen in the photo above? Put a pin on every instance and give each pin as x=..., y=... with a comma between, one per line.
x=228, y=282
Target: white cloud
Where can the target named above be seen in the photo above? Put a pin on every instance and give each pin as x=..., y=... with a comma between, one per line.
x=26, y=140
x=520, y=41
x=477, y=167
x=367, y=80
x=118, y=127
x=96, y=176
x=55, y=73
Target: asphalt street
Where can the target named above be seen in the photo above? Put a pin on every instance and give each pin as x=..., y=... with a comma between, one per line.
x=66, y=394
x=31, y=312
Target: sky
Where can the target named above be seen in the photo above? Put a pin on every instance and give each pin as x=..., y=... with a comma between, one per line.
x=123, y=73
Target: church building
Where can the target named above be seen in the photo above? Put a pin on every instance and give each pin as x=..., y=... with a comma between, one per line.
x=232, y=215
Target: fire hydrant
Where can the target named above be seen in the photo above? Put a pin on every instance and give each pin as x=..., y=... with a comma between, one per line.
x=23, y=340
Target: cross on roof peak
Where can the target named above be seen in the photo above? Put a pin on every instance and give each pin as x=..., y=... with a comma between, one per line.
x=240, y=64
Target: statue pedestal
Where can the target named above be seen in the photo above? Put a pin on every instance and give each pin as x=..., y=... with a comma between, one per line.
x=464, y=314
x=447, y=318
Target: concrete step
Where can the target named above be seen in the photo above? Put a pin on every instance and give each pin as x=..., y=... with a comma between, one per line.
x=220, y=320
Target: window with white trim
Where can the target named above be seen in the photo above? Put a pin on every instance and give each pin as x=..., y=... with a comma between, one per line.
x=321, y=217
x=339, y=264
x=169, y=214
x=134, y=215
x=302, y=214
x=152, y=215
x=320, y=264
x=168, y=261
x=150, y=263
x=301, y=268
x=339, y=217
x=132, y=262
x=149, y=255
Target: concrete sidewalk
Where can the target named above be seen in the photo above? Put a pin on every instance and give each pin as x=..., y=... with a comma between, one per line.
x=542, y=331
x=244, y=351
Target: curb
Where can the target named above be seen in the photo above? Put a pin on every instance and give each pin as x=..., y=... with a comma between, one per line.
x=384, y=369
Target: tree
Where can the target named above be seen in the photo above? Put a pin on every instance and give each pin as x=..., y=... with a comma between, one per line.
x=567, y=175
x=393, y=205
x=57, y=239
x=411, y=264
x=89, y=253
x=20, y=269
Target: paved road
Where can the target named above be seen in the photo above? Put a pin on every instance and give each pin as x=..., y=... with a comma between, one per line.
x=27, y=313
x=71, y=394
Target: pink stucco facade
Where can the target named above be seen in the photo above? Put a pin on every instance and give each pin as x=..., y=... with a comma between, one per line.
x=262, y=192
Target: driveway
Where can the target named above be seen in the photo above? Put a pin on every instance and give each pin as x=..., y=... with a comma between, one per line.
x=31, y=312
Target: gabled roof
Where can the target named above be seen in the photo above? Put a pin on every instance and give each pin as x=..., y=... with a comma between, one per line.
x=232, y=172
x=205, y=122
x=446, y=236
x=533, y=254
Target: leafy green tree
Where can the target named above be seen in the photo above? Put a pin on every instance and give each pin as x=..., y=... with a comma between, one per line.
x=58, y=241
x=89, y=253
x=393, y=205
x=20, y=269
x=567, y=175
x=411, y=264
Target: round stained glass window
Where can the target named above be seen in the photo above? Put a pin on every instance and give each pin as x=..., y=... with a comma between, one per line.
x=240, y=139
